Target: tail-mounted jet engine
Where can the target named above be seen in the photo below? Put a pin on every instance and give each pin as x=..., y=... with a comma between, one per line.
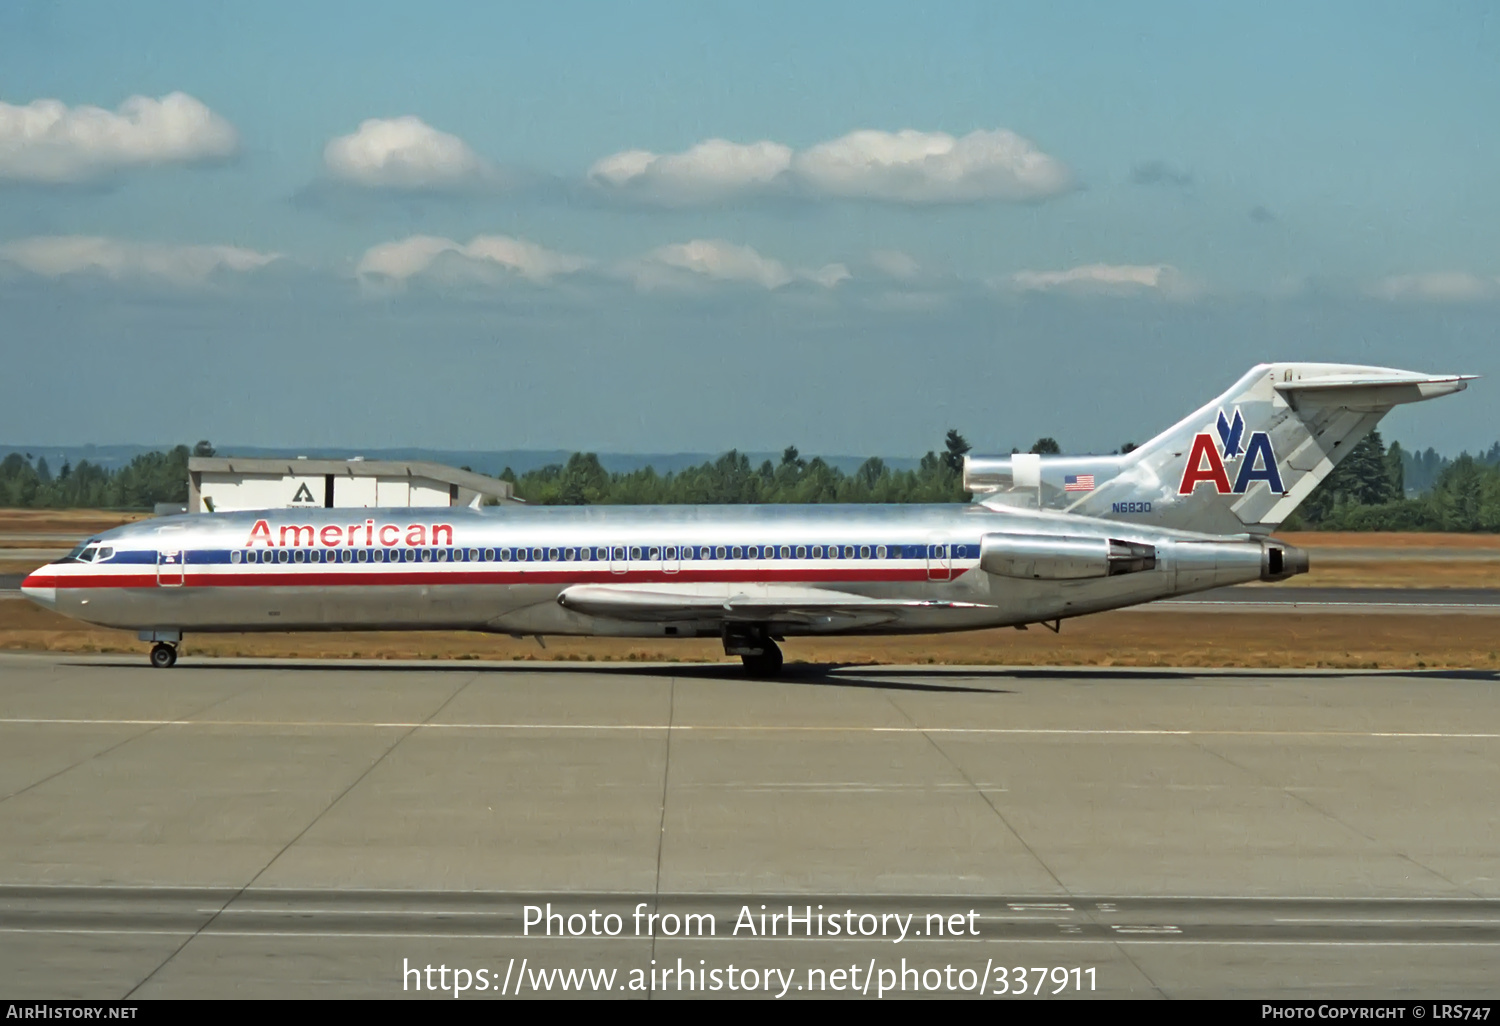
x=1061, y=558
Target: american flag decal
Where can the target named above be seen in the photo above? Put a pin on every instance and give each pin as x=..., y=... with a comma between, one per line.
x=1078, y=483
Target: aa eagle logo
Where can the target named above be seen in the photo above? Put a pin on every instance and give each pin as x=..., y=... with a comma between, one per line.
x=1208, y=460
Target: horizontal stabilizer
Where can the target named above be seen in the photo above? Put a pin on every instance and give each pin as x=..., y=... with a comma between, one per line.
x=1373, y=392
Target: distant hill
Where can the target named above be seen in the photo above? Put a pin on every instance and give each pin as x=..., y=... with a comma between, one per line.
x=113, y=457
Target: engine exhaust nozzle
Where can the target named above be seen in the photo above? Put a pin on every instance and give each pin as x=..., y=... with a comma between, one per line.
x=1278, y=560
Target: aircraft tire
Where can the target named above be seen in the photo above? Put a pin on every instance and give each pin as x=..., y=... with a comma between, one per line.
x=767, y=664
x=163, y=656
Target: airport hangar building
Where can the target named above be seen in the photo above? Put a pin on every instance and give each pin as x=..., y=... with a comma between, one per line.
x=223, y=485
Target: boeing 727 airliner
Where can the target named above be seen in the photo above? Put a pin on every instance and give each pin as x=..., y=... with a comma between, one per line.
x=1045, y=538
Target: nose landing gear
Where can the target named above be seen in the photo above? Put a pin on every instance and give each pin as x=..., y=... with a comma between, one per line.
x=163, y=655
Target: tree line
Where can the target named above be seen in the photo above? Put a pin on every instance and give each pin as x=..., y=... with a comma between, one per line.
x=1371, y=489
x=733, y=479
x=149, y=478
x=1368, y=491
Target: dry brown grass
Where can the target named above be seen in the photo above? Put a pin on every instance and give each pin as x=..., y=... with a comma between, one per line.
x=1390, y=539
x=1331, y=572
x=1130, y=638
x=63, y=521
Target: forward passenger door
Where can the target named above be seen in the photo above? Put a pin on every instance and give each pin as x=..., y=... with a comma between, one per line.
x=170, y=557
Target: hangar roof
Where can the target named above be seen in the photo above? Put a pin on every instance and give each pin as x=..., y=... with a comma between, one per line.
x=504, y=491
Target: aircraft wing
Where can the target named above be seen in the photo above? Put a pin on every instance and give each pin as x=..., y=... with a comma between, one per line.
x=751, y=603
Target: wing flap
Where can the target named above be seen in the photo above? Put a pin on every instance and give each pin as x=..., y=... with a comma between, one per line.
x=736, y=603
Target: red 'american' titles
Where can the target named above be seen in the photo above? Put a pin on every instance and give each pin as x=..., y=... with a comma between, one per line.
x=353, y=534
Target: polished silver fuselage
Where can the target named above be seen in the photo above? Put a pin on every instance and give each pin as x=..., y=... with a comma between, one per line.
x=637, y=571
x=1047, y=539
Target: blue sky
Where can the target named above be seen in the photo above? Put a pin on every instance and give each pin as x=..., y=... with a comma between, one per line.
x=500, y=226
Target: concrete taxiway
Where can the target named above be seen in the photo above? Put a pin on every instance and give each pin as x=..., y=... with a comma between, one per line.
x=274, y=828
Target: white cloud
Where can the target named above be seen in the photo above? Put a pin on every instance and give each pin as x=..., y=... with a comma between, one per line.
x=713, y=259
x=899, y=167
x=48, y=142
x=931, y=167
x=405, y=153
x=484, y=259
x=60, y=255
x=1103, y=279
x=688, y=264
x=828, y=275
x=712, y=170
x=895, y=263
x=1438, y=287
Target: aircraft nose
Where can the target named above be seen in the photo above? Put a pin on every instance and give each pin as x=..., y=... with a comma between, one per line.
x=32, y=587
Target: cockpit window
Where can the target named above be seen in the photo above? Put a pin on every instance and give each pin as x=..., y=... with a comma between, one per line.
x=83, y=552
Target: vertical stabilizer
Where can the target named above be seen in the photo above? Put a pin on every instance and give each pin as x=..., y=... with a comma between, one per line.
x=1241, y=463
x=1246, y=460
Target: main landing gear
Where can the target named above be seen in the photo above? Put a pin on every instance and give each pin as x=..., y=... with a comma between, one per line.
x=755, y=647
x=767, y=664
x=163, y=655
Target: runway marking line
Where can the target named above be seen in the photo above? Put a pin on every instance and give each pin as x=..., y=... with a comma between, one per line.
x=1107, y=940
x=1297, y=603
x=1406, y=920
x=768, y=729
x=278, y=893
